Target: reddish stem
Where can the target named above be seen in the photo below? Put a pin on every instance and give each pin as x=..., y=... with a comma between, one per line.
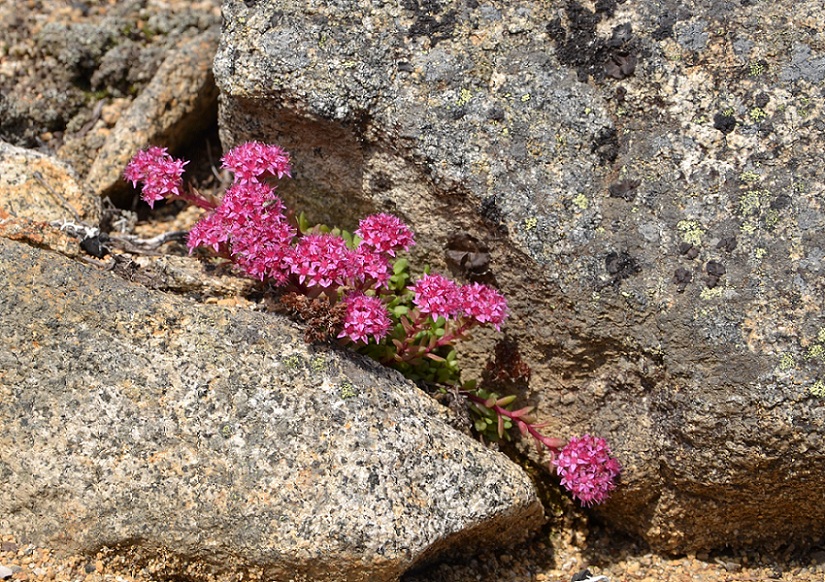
x=551, y=443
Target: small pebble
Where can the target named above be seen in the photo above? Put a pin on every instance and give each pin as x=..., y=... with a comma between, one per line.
x=5, y=573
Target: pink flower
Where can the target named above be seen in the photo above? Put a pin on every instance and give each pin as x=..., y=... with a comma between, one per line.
x=436, y=295
x=209, y=231
x=366, y=316
x=372, y=268
x=251, y=220
x=385, y=233
x=251, y=160
x=587, y=470
x=321, y=260
x=160, y=173
x=484, y=304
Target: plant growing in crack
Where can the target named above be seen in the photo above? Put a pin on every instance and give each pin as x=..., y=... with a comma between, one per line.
x=353, y=288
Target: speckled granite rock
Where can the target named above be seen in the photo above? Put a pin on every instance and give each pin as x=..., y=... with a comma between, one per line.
x=647, y=179
x=42, y=188
x=215, y=443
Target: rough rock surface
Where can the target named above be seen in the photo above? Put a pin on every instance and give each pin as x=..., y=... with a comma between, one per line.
x=40, y=187
x=217, y=441
x=646, y=177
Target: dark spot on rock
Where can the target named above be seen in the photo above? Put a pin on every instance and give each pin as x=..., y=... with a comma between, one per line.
x=496, y=113
x=405, y=67
x=581, y=576
x=620, y=94
x=724, y=123
x=781, y=202
x=688, y=250
x=665, y=26
x=727, y=243
x=620, y=65
x=468, y=256
x=426, y=24
x=621, y=265
x=491, y=212
x=681, y=277
x=381, y=182
x=606, y=145
x=762, y=100
x=458, y=113
x=607, y=7
x=715, y=268
x=579, y=46
x=96, y=245
x=626, y=189
x=711, y=281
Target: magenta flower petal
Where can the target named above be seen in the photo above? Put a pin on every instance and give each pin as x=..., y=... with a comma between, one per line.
x=385, y=233
x=436, y=295
x=587, y=470
x=366, y=316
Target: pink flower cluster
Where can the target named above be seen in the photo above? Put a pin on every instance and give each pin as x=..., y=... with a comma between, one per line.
x=250, y=226
x=366, y=316
x=587, y=470
x=159, y=172
x=252, y=160
x=442, y=297
x=385, y=234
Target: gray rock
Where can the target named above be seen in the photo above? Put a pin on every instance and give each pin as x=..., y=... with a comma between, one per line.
x=214, y=442
x=479, y=118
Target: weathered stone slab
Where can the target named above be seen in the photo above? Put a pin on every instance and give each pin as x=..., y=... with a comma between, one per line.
x=215, y=443
x=647, y=178
x=42, y=188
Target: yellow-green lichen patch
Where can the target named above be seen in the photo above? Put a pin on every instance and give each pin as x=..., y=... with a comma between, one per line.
x=464, y=97
x=581, y=201
x=752, y=201
x=757, y=68
x=786, y=362
x=691, y=231
x=816, y=351
x=757, y=114
x=318, y=363
x=347, y=390
x=818, y=389
x=530, y=223
x=749, y=177
x=712, y=293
